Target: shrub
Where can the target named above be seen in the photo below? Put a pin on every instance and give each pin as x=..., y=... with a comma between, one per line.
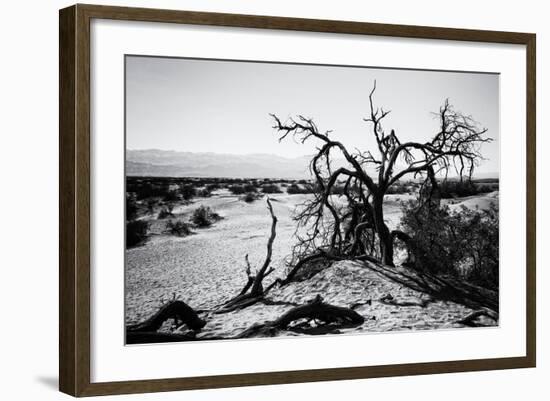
x=144, y=190
x=188, y=191
x=236, y=189
x=131, y=207
x=462, y=243
x=205, y=193
x=250, y=188
x=213, y=187
x=250, y=197
x=271, y=189
x=203, y=216
x=485, y=188
x=460, y=189
x=166, y=211
x=296, y=189
x=136, y=232
x=171, y=196
x=151, y=206
x=179, y=228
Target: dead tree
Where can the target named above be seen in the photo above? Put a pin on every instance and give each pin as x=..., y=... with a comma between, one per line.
x=360, y=228
x=253, y=291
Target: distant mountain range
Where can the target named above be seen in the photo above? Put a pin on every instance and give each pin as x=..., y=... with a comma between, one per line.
x=168, y=163
x=163, y=163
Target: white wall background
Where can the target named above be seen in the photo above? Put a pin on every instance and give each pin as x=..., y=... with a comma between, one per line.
x=28, y=200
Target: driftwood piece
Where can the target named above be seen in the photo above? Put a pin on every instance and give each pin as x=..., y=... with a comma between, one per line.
x=319, y=310
x=331, y=315
x=177, y=310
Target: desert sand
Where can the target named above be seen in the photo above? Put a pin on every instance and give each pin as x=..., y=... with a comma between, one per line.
x=207, y=268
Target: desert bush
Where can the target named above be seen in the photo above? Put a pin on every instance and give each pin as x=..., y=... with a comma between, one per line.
x=250, y=197
x=213, y=187
x=144, y=190
x=203, y=216
x=271, y=189
x=485, y=188
x=136, y=232
x=460, y=189
x=250, y=187
x=131, y=207
x=166, y=211
x=171, y=196
x=297, y=189
x=151, y=203
x=188, y=191
x=236, y=189
x=205, y=193
x=463, y=243
x=179, y=228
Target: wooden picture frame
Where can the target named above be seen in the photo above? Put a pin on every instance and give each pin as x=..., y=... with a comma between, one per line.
x=74, y=203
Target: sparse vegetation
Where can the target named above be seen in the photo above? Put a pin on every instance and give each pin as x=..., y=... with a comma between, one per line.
x=131, y=207
x=203, y=216
x=250, y=197
x=188, y=191
x=271, y=189
x=213, y=187
x=237, y=189
x=304, y=188
x=179, y=228
x=204, y=193
x=250, y=187
x=462, y=188
x=136, y=232
x=166, y=211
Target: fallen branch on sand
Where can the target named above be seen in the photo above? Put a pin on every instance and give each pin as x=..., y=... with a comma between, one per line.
x=177, y=310
x=332, y=317
x=329, y=319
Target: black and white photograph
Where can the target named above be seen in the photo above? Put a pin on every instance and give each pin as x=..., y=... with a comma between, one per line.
x=269, y=199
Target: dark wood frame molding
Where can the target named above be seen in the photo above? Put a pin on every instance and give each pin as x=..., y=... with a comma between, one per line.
x=74, y=199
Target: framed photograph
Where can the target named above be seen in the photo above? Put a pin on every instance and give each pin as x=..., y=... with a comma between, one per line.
x=250, y=200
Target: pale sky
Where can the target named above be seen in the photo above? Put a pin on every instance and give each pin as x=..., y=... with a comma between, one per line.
x=218, y=106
